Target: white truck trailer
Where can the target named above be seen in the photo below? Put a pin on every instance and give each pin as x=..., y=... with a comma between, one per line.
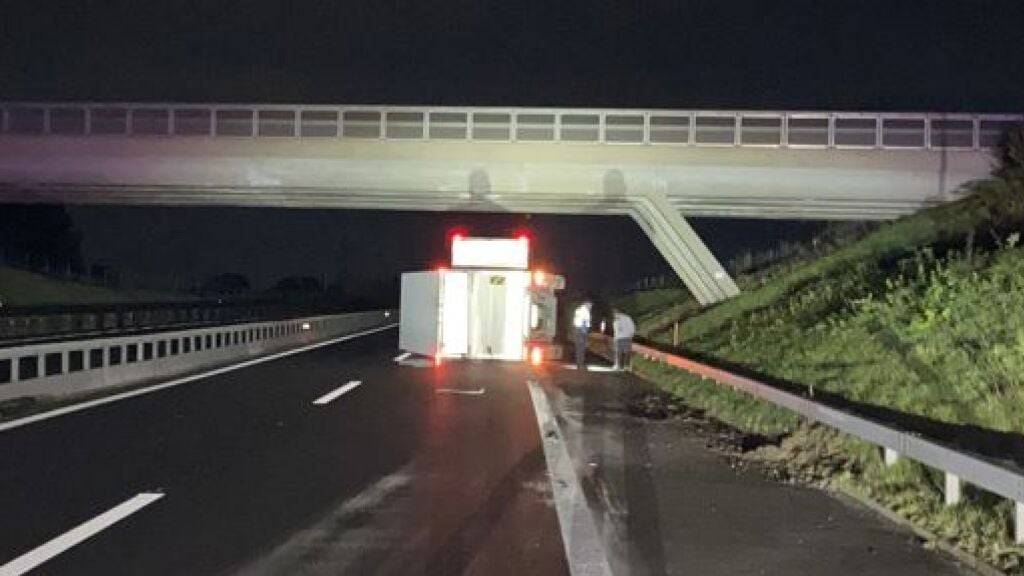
x=487, y=305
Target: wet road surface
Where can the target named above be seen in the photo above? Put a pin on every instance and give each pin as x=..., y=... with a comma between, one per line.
x=340, y=461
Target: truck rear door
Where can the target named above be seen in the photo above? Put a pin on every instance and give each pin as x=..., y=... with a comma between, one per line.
x=420, y=329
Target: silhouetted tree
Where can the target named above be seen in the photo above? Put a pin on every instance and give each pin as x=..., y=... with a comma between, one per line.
x=105, y=274
x=229, y=283
x=298, y=285
x=1011, y=150
x=40, y=235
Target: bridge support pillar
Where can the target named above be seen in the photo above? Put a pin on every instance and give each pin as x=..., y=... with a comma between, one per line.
x=682, y=248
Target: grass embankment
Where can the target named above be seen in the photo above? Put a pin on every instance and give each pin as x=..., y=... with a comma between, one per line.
x=20, y=288
x=922, y=317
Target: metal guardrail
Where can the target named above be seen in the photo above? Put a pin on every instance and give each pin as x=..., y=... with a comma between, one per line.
x=748, y=128
x=958, y=466
x=84, y=365
x=35, y=325
x=43, y=323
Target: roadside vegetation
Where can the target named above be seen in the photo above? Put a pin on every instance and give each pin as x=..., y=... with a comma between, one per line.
x=19, y=288
x=919, y=321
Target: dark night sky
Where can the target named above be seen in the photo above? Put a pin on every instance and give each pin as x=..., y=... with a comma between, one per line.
x=796, y=54
x=863, y=54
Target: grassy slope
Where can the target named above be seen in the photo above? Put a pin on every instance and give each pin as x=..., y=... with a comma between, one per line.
x=924, y=316
x=20, y=288
x=885, y=320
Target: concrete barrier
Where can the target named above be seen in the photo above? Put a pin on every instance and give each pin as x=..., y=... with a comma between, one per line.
x=75, y=367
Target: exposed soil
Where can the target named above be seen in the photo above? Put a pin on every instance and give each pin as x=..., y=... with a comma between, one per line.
x=741, y=448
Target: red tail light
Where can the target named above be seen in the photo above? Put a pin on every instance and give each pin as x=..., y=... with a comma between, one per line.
x=536, y=356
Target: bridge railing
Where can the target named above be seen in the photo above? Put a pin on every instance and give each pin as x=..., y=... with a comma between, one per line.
x=922, y=131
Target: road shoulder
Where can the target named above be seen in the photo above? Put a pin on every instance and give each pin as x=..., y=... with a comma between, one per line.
x=666, y=501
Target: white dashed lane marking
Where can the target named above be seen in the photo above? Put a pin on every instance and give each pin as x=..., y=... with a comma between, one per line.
x=477, y=392
x=78, y=534
x=179, y=381
x=333, y=395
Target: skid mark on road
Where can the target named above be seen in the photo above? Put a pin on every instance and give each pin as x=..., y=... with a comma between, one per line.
x=333, y=545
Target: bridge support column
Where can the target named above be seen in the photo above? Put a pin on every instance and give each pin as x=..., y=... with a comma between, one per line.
x=680, y=245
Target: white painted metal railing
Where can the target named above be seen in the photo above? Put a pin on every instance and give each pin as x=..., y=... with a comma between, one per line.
x=565, y=125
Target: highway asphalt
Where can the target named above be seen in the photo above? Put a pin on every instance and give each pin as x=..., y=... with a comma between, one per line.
x=667, y=502
x=401, y=474
x=341, y=461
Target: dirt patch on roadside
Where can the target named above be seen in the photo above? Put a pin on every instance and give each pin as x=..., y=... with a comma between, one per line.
x=742, y=448
x=19, y=406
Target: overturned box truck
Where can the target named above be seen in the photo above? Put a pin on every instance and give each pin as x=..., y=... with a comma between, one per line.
x=488, y=305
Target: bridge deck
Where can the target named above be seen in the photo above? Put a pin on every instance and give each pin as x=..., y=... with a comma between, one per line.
x=655, y=166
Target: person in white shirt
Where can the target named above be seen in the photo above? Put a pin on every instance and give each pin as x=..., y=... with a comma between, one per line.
x=581, y=329
x=623, y=330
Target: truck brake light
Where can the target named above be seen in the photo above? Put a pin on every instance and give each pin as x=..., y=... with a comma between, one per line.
x=536, y=356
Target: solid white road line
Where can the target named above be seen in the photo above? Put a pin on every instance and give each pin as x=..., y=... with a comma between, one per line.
x=477, y=392
x=132, y=393
x=593, y=368
x=351, y=385
x=78, y=534
x=402, y=356
x=584, y=550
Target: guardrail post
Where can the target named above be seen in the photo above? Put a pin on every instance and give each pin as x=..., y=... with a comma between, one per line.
x=675, y=333
x=954, y=488
x=1018, y=522
x=890, y=456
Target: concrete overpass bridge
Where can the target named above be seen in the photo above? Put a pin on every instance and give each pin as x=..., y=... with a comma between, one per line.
x=656, y=166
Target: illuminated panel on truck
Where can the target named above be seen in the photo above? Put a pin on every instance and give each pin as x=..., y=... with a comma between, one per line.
x=490, y=252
